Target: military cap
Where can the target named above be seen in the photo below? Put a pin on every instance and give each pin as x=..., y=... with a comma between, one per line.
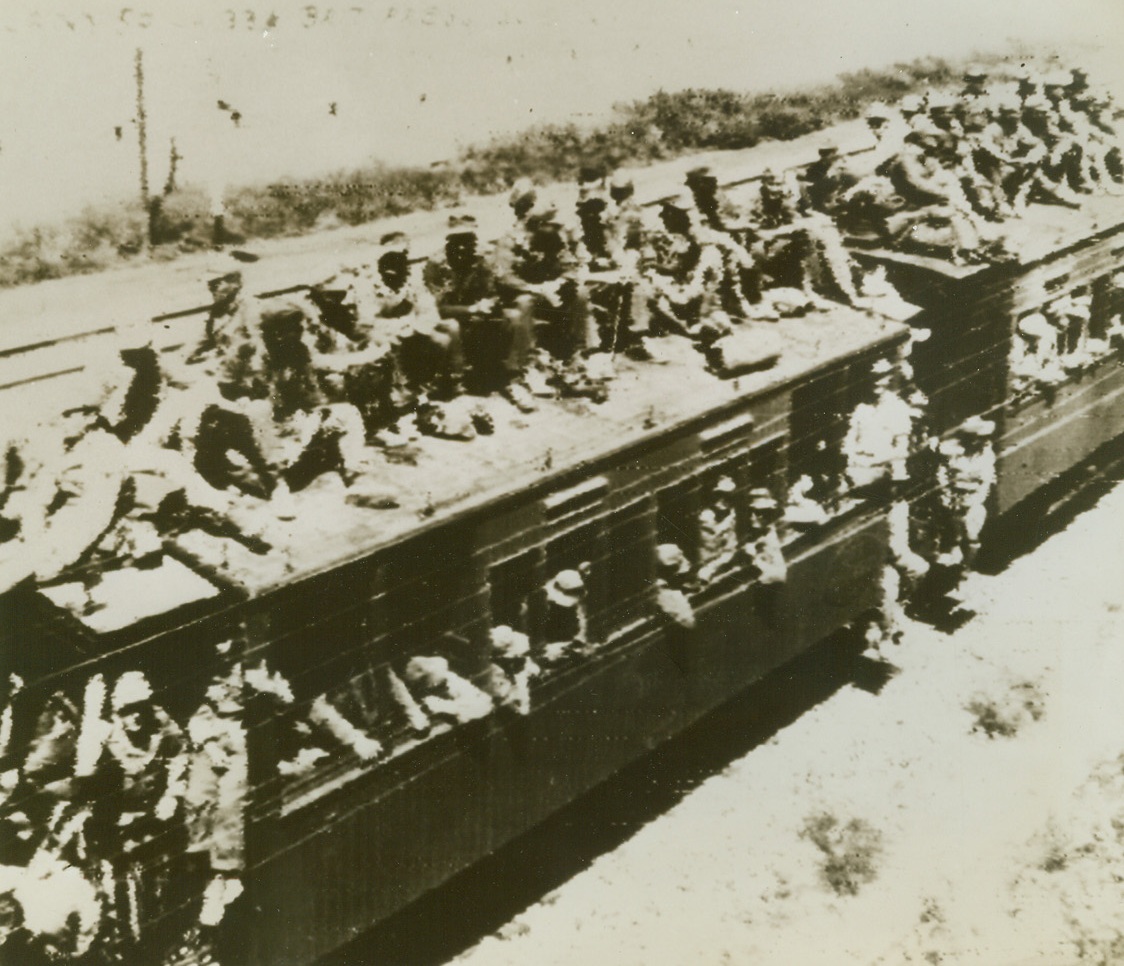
x=591, y=202
x=976, y=426
x=1036, y=326
x=224, y=279
x=566, y=587
x=590, y=174
x=761, y=499
x=701, y=175
x=912, y=104
x=523, y=194
x=131, y=688
x=1078, y=79
x=877, y=111
x=724, y=485
x=428, y=669
x=508, y=642
x=619, y=181
x=1037, y=104
x=882, y=367
x=394, y=241
x=461, y=224
x=975, y=72
x=670, y=557
x=677, y=201
x=828, y=151
x=542, y=215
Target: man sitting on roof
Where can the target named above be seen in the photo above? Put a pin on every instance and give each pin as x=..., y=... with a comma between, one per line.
x=685, y=278
x=803, y=247
x=718, y=224
x=537, y=271
x=491, y=344
x=609, y=274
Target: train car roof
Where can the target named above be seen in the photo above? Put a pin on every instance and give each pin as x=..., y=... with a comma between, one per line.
x=446, y=479
x=1040, y=233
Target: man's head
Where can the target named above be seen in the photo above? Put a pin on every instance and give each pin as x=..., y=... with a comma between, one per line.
x=724, y=489
x=883, y=372
x=394, y=258
x=522, y=198
x=763, y=507
x=975, y=432
x=675, y=213
x=621, y=187
x=225, y=289
x=460, y=240
x=877, y=117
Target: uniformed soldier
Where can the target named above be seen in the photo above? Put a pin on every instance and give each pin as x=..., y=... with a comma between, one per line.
x=491, y=342
x=536, y=267
x=565, y=628
x=610, y=276
x=1034, y=359
x=685, y=278
x=147, y=762
x=718, y=532
x=673, y=581
x=353, y=361
x=802, y=509
x=965, y=479
x=826, y=180
x=763, y=545
x=803, y=247
x=217, y=789
x=509, y=674
x=146, y=747
x=76, y=491
x=876, y=445
x=626, y=218
x=1060, y=175
x=445, y=695
x=395, y=292
x=716, y=223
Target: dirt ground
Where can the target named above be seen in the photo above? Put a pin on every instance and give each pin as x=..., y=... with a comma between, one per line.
x=972, y=812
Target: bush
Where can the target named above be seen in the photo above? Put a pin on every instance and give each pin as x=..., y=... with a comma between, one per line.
x=661, y=126
x=849, y=851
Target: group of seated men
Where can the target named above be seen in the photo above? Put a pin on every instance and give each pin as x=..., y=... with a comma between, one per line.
x=1063, y=338
x=945, y=167
x=283, y=391
x=279, y=392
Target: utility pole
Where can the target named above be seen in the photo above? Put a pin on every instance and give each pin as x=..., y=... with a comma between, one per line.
x=142, y=144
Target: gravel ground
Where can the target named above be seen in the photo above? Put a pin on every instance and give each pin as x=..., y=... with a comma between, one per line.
x=972, y=812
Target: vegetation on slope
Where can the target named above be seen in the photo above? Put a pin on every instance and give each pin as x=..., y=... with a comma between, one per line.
x=665, y=125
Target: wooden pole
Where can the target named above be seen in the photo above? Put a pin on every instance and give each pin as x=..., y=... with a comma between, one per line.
x=142, y=140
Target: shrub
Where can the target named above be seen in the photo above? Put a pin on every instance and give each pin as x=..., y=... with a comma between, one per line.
x=663, y=125
x=849, y=851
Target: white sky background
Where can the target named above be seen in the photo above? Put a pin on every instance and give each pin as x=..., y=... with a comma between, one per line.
x=483, y=67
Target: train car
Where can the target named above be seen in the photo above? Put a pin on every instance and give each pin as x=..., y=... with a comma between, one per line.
x=332, y=840
x=258, y=751
x=1031, y=343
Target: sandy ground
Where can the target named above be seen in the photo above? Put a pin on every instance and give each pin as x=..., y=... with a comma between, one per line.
x=971, y=812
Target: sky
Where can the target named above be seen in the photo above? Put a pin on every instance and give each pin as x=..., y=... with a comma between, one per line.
x=412, y=80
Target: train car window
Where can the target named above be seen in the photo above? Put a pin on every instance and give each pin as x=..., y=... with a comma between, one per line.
x=580, y=551
x=677, y=514
x=820, y=410
x=1102, y=307
x=432, y=586
x=514, y=586
x=1068, y=334
x=631, y=563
